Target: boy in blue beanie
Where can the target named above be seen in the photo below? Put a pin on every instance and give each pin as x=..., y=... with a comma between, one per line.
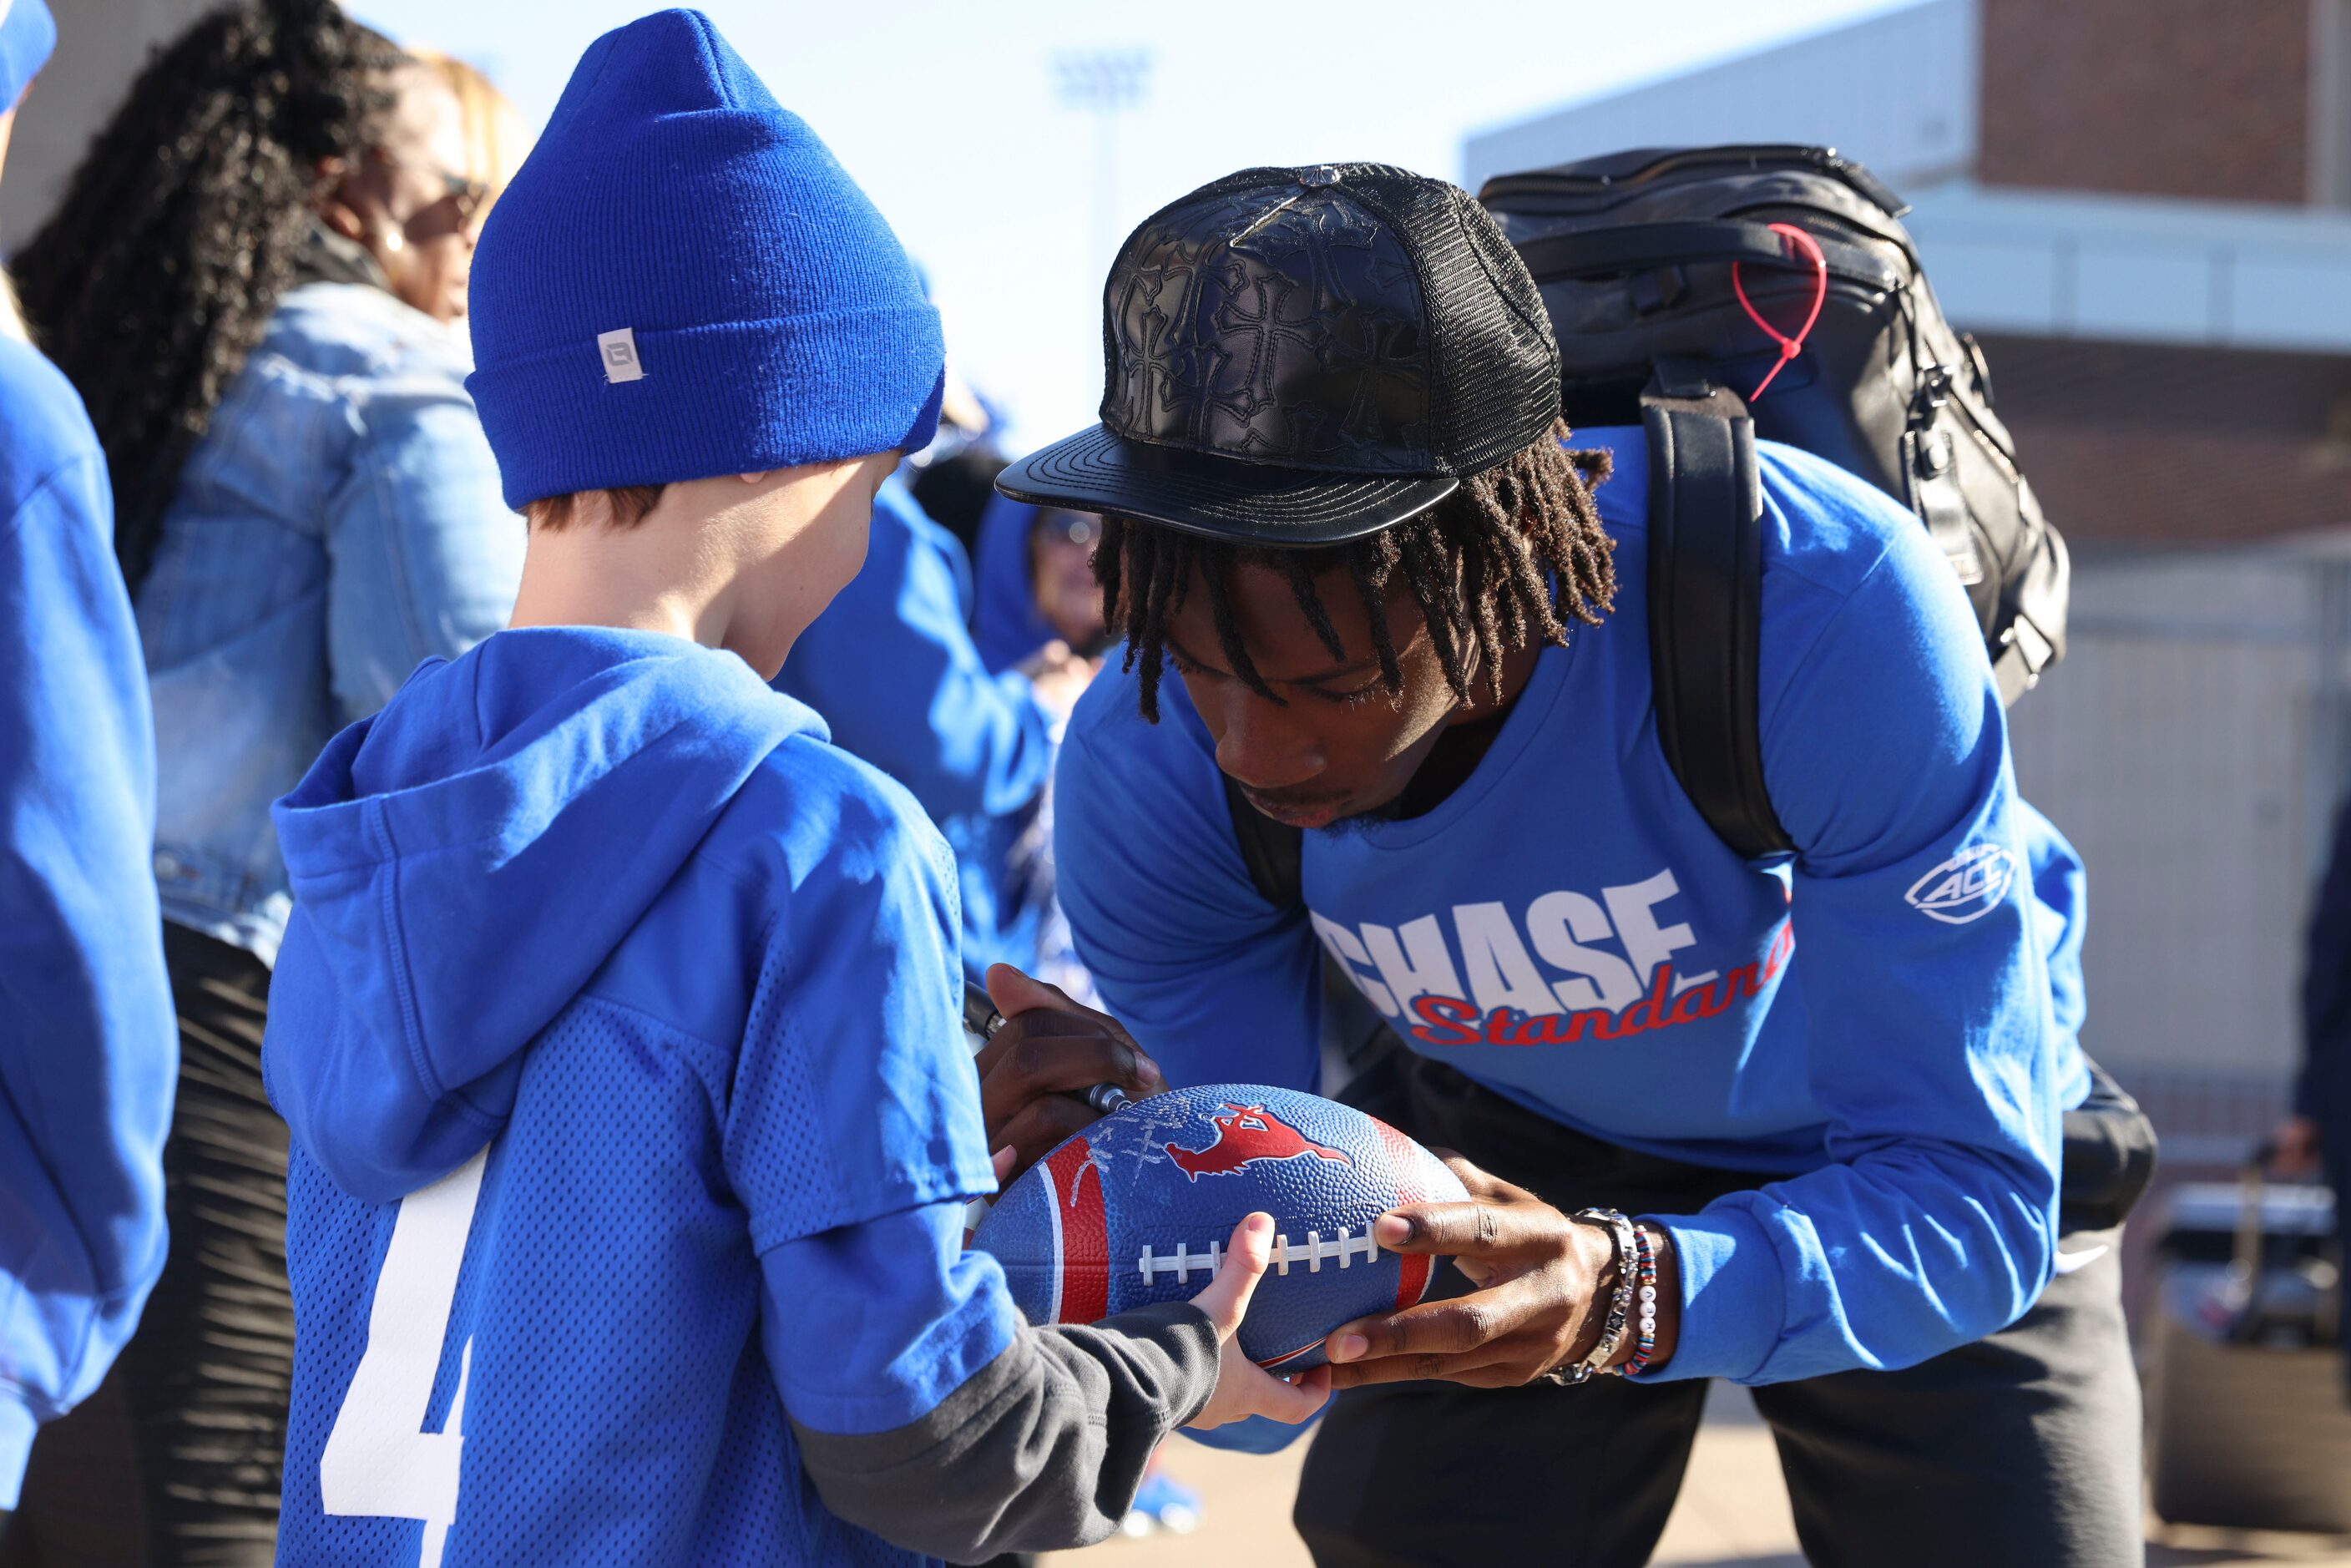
x=618, y=1025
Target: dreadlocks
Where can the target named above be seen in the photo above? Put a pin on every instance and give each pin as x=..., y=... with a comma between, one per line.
x=181, y=227
x=1493, y=567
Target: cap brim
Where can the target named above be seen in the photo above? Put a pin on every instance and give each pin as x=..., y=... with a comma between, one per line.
x=1220, y=498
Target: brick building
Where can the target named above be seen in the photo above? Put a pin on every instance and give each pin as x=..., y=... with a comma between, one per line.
x=2142, y=207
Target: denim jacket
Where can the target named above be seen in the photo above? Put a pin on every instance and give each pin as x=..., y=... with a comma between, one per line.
x=340, y=522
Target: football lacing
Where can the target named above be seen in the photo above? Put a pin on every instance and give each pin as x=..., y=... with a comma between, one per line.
x=1183, y=1260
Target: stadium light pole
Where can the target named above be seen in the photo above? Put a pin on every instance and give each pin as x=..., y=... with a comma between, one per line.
x=1105, y=83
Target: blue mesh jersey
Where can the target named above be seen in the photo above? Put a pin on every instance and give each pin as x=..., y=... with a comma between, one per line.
x=616, y=1029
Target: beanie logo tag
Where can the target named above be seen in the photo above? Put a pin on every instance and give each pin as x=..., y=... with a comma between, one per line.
x=620, y=354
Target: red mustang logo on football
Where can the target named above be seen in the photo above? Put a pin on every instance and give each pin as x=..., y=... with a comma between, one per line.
x=1251, y=1133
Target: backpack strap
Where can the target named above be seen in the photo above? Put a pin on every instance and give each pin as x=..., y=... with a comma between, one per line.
x=1705, y=570
x=1272, y=851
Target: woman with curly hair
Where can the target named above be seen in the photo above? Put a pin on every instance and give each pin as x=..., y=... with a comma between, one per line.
x=256, y=281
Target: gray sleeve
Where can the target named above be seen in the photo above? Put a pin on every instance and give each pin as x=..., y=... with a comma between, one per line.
x=1041, y=1450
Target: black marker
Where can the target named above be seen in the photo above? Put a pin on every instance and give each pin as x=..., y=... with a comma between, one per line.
x=981, y=1019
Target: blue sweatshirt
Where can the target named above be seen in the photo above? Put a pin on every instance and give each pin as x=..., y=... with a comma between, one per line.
x=1006, y=624
x=617, y=1027
x=1886, y=1019
x=89, y=1051
x=891, y=667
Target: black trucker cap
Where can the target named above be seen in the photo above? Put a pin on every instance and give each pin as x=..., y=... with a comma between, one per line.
x=1298, y=356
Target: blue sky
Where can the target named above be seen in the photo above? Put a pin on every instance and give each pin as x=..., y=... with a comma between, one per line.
x=947, y=114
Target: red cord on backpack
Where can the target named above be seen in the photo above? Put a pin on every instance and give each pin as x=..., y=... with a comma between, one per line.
x=1790, y=348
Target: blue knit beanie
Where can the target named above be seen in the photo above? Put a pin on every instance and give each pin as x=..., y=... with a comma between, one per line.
x=27, y=34
x=681, y=283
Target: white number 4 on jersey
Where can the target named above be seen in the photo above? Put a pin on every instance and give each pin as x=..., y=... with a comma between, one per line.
x=379, y=1461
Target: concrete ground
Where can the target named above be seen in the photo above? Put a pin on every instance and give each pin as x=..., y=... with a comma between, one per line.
x=1733, y=1513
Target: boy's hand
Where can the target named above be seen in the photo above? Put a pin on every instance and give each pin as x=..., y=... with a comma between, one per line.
x=1050, y=1051
x=1243, y=1388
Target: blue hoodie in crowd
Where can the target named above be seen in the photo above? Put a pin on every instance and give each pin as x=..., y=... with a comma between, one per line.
x=89, y=1052
x=1888, y=1019
x=891, y=666
x=1006, y=624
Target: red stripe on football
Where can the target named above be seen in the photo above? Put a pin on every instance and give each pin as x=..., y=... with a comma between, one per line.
x=1085, y=1238
x=1404, y=1170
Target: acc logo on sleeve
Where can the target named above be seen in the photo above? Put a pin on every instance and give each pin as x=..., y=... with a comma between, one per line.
x=1966, y=887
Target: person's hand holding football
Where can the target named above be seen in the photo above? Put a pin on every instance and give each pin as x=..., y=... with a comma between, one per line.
x=1544, y=1282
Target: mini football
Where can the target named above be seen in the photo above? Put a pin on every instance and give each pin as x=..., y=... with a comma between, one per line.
x=1138, y=1207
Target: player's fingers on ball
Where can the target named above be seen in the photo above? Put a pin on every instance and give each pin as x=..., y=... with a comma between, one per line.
x=1471, y=1370
x=1502, y=1363
x=1479, y=1228
x=1451, y=1328
x=1393, y=1369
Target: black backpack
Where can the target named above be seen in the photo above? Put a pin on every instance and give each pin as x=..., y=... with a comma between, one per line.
x=1674, y=278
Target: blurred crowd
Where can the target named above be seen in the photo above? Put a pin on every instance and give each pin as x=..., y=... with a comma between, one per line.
x=256, y=284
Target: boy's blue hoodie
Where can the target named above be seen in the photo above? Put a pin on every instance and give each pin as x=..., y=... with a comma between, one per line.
x=1006, y=624
x=617, y=1029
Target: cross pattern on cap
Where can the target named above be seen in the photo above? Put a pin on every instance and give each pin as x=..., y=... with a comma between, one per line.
x=1292, y=335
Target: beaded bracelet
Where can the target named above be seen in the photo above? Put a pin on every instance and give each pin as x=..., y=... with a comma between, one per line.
x=1626, y=1237
x=1648, y=1342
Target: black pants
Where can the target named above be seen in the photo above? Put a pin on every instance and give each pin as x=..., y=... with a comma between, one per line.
x=175, y=1460
x=2021, y=1449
